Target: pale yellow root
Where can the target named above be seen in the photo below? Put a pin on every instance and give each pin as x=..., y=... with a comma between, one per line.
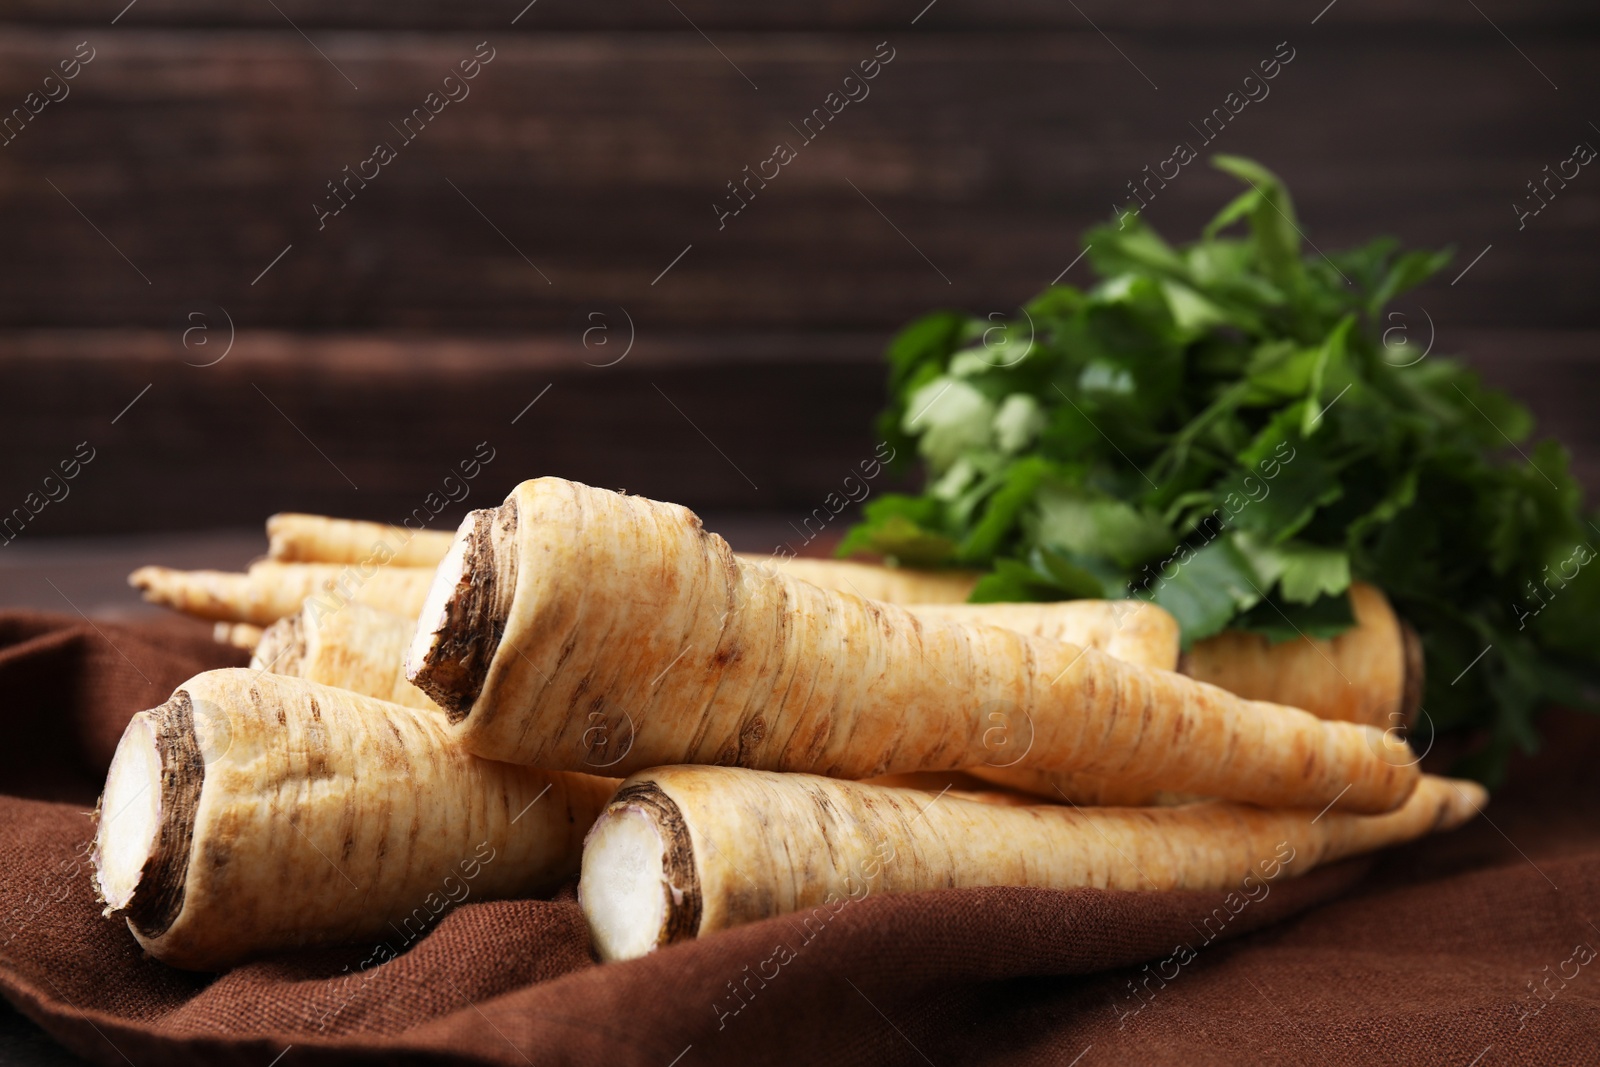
x=686, y=851
x=953, y=784
x=576, y=627
x=237, y=634
x=356, y=648
x=295, y=538
x=270, y=590
x=1133, y=631
x=254, y=813
x=1371, y=673
x=896, y=585
x=218, y=595
x=1093, y=789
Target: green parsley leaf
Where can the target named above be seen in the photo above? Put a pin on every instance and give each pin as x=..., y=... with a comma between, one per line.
x=1237, y=428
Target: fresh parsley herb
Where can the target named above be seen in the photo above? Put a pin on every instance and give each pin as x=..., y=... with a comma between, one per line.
x=1221, y=428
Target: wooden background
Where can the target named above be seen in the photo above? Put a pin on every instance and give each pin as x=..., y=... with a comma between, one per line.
x=459, y=284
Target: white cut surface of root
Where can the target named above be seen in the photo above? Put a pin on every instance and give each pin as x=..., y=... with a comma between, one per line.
x=624, y=884
x=130, y=814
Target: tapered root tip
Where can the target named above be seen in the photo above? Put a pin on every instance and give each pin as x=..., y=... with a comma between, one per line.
x=639, y=888
x=464, y=615
x=1390, y=747
x=148, y=580
x=1383, y=788
x=1464, y=800
x=212, y=595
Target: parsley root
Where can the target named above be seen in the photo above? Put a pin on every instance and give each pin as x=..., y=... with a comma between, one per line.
x=269, y=590
x=569, y=602
x=685, y=851
x=356, y=648
x=1131, y=630
x=1371, y=673
x=253, y=813
x=1096, y=790
x=296, y=538
x=894, y=585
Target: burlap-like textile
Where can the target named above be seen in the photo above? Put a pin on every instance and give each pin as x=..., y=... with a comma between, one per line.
x=1473, y=944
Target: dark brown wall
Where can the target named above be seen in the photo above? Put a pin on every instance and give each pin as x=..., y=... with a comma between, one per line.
x=594, y=145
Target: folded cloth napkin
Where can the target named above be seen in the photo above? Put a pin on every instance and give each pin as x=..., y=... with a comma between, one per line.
x=1469, y=942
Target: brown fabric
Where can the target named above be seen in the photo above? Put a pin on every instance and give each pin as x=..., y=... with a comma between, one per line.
x=1427, y=956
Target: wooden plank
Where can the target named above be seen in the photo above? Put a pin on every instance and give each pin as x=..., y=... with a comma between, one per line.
x=599, y=158
x=549, y=15
x=371, y=425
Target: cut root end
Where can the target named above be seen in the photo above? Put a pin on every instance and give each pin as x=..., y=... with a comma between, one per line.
x=464, y=616
x=146, y=817
x=624, y=887
x=130, y=814
x=639, y=888
x=282, y=647
x=1415, y=675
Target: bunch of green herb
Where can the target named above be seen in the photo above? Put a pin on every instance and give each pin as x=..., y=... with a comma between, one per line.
x=1222, y=428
